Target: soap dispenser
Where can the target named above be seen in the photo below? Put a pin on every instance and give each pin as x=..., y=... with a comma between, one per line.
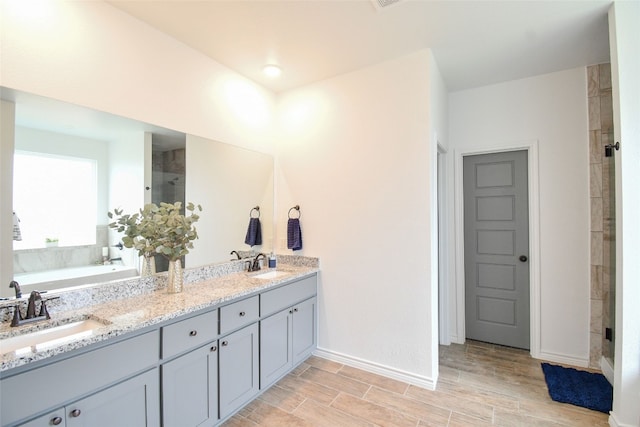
x=272, y=260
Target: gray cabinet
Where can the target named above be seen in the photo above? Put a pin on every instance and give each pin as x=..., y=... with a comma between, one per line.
x=134, y=402
x=53, y=385
x=286, y=338
x=196, y=370
x=238, y=369
x=304, y=330
x=190, y=388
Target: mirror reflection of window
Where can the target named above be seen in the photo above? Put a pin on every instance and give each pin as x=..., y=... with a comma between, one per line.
x=55, y=199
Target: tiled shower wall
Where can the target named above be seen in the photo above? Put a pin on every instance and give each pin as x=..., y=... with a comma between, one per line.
x=600, y=134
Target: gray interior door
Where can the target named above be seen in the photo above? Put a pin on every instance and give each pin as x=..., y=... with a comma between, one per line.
x=496, y=248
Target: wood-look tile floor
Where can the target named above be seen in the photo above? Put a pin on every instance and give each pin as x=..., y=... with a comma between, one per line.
x=480, y=385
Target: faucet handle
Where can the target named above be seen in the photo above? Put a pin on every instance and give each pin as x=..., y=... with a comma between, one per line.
x=43, y=310
x=17, y=317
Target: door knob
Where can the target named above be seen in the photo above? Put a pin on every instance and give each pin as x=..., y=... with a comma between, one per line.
x=523, y=258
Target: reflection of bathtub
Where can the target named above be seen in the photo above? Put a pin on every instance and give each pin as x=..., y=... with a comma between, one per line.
x=73, y=276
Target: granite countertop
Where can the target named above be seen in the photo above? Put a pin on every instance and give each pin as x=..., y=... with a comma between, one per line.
x=124, y=315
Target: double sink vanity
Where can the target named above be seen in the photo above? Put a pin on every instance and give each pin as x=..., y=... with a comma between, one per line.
x=125, y=356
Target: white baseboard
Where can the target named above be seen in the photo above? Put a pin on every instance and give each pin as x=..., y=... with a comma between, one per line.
x=607, y=369
x=385, y=371
x=613, y=421
x=561, y=358
x=456, y=340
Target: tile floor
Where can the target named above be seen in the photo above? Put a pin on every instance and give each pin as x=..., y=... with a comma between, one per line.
x=480, y=384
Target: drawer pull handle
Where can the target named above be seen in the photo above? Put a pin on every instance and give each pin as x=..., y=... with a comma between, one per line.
x=225, y=343
x=242, y=314
x=75, y=413
x=193, y=333
x=214, y=348
x=56, y=421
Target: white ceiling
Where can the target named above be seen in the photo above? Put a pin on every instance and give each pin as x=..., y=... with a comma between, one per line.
x=474, y=42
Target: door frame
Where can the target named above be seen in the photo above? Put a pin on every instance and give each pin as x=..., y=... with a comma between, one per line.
x=531, y=146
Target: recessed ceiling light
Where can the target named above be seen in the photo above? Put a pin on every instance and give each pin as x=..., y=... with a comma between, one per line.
x=271, y=71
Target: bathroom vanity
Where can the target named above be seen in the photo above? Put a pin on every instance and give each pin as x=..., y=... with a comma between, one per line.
x=187, y=359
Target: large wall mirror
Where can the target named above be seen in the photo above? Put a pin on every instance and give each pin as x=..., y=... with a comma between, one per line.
x=71, y=165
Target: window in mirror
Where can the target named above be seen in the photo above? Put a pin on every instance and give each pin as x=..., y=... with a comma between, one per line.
x=54, y=198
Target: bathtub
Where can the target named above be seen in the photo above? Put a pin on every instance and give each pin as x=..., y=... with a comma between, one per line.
x=73, y=276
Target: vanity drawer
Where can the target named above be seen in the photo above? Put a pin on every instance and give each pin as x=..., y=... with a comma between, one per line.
x=238, y=314
x=189, y=333
x=285, y=296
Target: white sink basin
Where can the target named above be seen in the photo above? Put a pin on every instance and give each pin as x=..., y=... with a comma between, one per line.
x=50, y=337
x=273, y=274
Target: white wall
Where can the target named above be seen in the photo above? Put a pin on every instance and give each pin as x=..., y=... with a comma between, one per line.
x=228, y=182
x=354, y=153
x=91, y=54
x=625, y=76
x=439, y=134
x=7, y=136
x=551, y=109
x=127, y=182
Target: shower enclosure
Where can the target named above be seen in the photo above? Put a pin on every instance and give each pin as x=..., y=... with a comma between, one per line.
x=167, y=179
x=602, y=154
x=609, y=250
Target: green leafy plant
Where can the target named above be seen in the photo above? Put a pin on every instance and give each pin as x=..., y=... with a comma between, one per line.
x=161, y=230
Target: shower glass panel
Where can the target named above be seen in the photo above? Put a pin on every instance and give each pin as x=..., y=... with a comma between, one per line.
x=609, y=255
x=167, y=181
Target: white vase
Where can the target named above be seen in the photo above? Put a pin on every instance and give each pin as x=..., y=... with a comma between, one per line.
x=148, y=267
x=175, y=279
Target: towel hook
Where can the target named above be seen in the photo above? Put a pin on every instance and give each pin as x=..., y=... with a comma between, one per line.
x=296, y=207
x=257, y=208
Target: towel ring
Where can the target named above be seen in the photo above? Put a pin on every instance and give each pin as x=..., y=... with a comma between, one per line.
x=257, y=208
x=296, y=207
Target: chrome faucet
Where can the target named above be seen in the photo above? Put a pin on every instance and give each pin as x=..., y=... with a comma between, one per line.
x=255, y=265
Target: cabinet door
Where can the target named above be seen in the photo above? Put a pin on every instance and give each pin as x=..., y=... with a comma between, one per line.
x=238, y=375
x=304, y=329
x=135, y=402
x=190, y=388
x=276, y=357
x=55, y=418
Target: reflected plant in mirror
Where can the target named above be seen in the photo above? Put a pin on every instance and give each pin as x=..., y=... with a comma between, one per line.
x=162, y=230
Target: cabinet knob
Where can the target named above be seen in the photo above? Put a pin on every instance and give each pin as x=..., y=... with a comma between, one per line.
x=225, y=343
x=242, y=314
x=193, y=333
x=56, y=421
x=214, y=348
x=75, y=413
x=295, y=310
x=290, y=311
